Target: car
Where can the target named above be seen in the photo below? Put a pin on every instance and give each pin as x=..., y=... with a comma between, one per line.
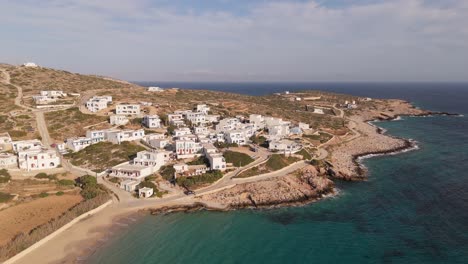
x=188, y=192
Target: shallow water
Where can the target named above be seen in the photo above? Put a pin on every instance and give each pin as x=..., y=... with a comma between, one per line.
x=413, y=209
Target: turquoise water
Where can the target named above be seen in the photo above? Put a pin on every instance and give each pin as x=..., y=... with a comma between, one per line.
x=413, y=209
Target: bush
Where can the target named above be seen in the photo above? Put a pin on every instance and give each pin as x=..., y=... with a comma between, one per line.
x=65, y=182
x=167, y=172
x=237, y=158
x=5, y=197
x=4, y=176
x=277, y=162
x=305, y=155
x=59, y=193
x=90, y=187
x=199, y=161
x=43, y=175
x=43, y=194
x=17, y=133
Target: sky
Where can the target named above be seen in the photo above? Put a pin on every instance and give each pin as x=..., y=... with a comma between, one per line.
x=241, y=40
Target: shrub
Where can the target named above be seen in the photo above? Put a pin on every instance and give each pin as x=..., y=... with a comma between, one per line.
x=43, y=175
x=5, y=197
x=59, y=193
x=90, y=187
x=65, y=182
x=4, y=176
x=199, y=161
x=17, y=133
x=43, y=194
x=305, y=154
x=194, y=181
x=167, y=172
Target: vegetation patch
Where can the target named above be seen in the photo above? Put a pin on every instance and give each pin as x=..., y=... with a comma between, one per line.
x=237, y=159
x=201, y=180
x=274, y=163
x=100, y=156
x=4, y=176
x=305, y=154
x=5, y=197
x=167, y=172
x=44, y=175
x=90, y=187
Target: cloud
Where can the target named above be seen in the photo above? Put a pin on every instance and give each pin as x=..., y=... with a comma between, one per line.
x=396, y=40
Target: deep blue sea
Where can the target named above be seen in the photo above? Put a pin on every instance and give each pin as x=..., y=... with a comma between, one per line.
x=412, y=209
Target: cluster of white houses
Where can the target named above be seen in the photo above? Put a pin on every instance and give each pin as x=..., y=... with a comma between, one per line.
x=28, y=155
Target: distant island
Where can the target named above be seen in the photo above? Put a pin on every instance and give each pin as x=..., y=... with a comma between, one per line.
x=74, y=145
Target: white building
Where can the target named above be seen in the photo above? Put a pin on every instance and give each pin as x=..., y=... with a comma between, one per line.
x=131, y=172
x=176, y=119
x=227, y=124
x=181, y=167
x=8, y=161
x=23, y=145
x=196, y=117
x=97, y=135
x=182, y=131
x=278, y=131
x=257, y=120
x=5, y=142
x=53, y=94
x=304, y=126
x=40, y=99
x=127, y=109
x=79, y=143
x=38, y=159
x=98, y=103
x=30, y=65
x=285, y=146
x=159, y=143
x=129, y=185
x=145, y=192
x=120, y=136
x=201, y=130
x=153, y=159
x=151, y=121
x=318, y=111
x=217, y=161
x=203, y=108
x=212, y=118
x=118, y=120
x=187, y=148
x=235, y=137
x=155, y=89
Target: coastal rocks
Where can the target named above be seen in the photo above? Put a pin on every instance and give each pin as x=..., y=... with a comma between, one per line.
x=301, y=187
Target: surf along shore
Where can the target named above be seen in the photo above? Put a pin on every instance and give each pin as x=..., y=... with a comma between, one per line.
x=312, y=181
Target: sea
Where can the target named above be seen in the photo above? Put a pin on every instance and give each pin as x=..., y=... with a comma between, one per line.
x=412, y=209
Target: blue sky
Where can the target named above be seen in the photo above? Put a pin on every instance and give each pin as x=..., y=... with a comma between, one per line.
x=242, y=40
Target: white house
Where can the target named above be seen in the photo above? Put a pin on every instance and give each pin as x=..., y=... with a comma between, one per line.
x=278, y=131
x=151, y=121
x=159, y=143
x=182, y=131
x=187, y=148
x=130, y=171
x=8, y=161
x=196, y=117
x=23, y=145
x=97, y=135
x=120, y=136
x=181, y=167
x=286, y=146
x=235, y=137
x=203, y=108
x=201, y=130
x=129, y=185
x=38, y=159
x=40, y=99
x=318, y=111
x=98, y=103
x=127, y=109
x=118, y=120
x=53, y=94
x=257, y=120
x=217, y=161
x=155, y=89
x=153, y=159
x=30, y=65
x=212, y=118
x=176, y=119
x=304, y=126
x=145, y=192
x=227, y=124
x=79, y=143
x=5, y=141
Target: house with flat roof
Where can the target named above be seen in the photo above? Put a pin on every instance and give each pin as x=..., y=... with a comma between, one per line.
x=216, y=160
x=120, y=136
x=79, y=143
x=97, y=135
x=127, y=109
x=129, y=185
x=155, y=89
x=118, y=120
x=187, y=148
x=38, y=159
x=5, y=141
x=151, y=121
x=23, y=145
x=154, y=159
x=285, y=146
x=145, y=192
x=130, y=171
x=8, y=161
x=98, y=103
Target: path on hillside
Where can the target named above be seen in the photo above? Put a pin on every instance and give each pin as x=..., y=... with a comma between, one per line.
x=19, y=96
